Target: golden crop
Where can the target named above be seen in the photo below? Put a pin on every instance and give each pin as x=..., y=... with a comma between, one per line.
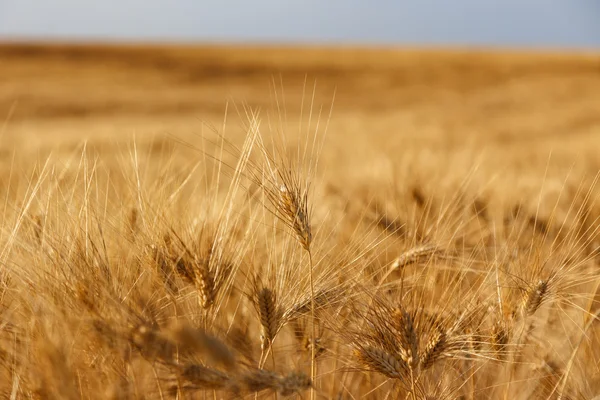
x=341, y=224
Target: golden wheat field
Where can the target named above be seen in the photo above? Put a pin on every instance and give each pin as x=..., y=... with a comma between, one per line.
x=324, y=223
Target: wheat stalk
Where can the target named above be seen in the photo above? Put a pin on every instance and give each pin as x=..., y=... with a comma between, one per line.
x=383, y=362
x=434, y=350
x=534, y=297
x=415, y=255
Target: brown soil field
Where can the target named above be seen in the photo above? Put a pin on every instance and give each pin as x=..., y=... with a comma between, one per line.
x=324, y=222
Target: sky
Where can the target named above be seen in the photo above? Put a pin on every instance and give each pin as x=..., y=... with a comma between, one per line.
x=508, y=23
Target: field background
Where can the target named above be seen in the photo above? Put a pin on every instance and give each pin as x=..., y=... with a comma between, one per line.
x=515, y=106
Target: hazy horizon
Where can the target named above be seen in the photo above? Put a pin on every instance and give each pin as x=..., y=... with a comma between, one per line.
x=535, y=23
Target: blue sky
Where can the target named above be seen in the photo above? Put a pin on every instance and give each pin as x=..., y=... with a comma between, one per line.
x=537, y=23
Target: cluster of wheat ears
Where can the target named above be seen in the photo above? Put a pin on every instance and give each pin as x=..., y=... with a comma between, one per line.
x=243, y=275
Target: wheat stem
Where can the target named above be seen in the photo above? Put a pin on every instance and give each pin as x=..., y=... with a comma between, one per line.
x=313, y=366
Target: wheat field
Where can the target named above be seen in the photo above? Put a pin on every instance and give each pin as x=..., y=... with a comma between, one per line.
x=325, y=223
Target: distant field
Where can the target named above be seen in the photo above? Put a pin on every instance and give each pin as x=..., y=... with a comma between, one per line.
x=395, y=98
x=451, y=225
